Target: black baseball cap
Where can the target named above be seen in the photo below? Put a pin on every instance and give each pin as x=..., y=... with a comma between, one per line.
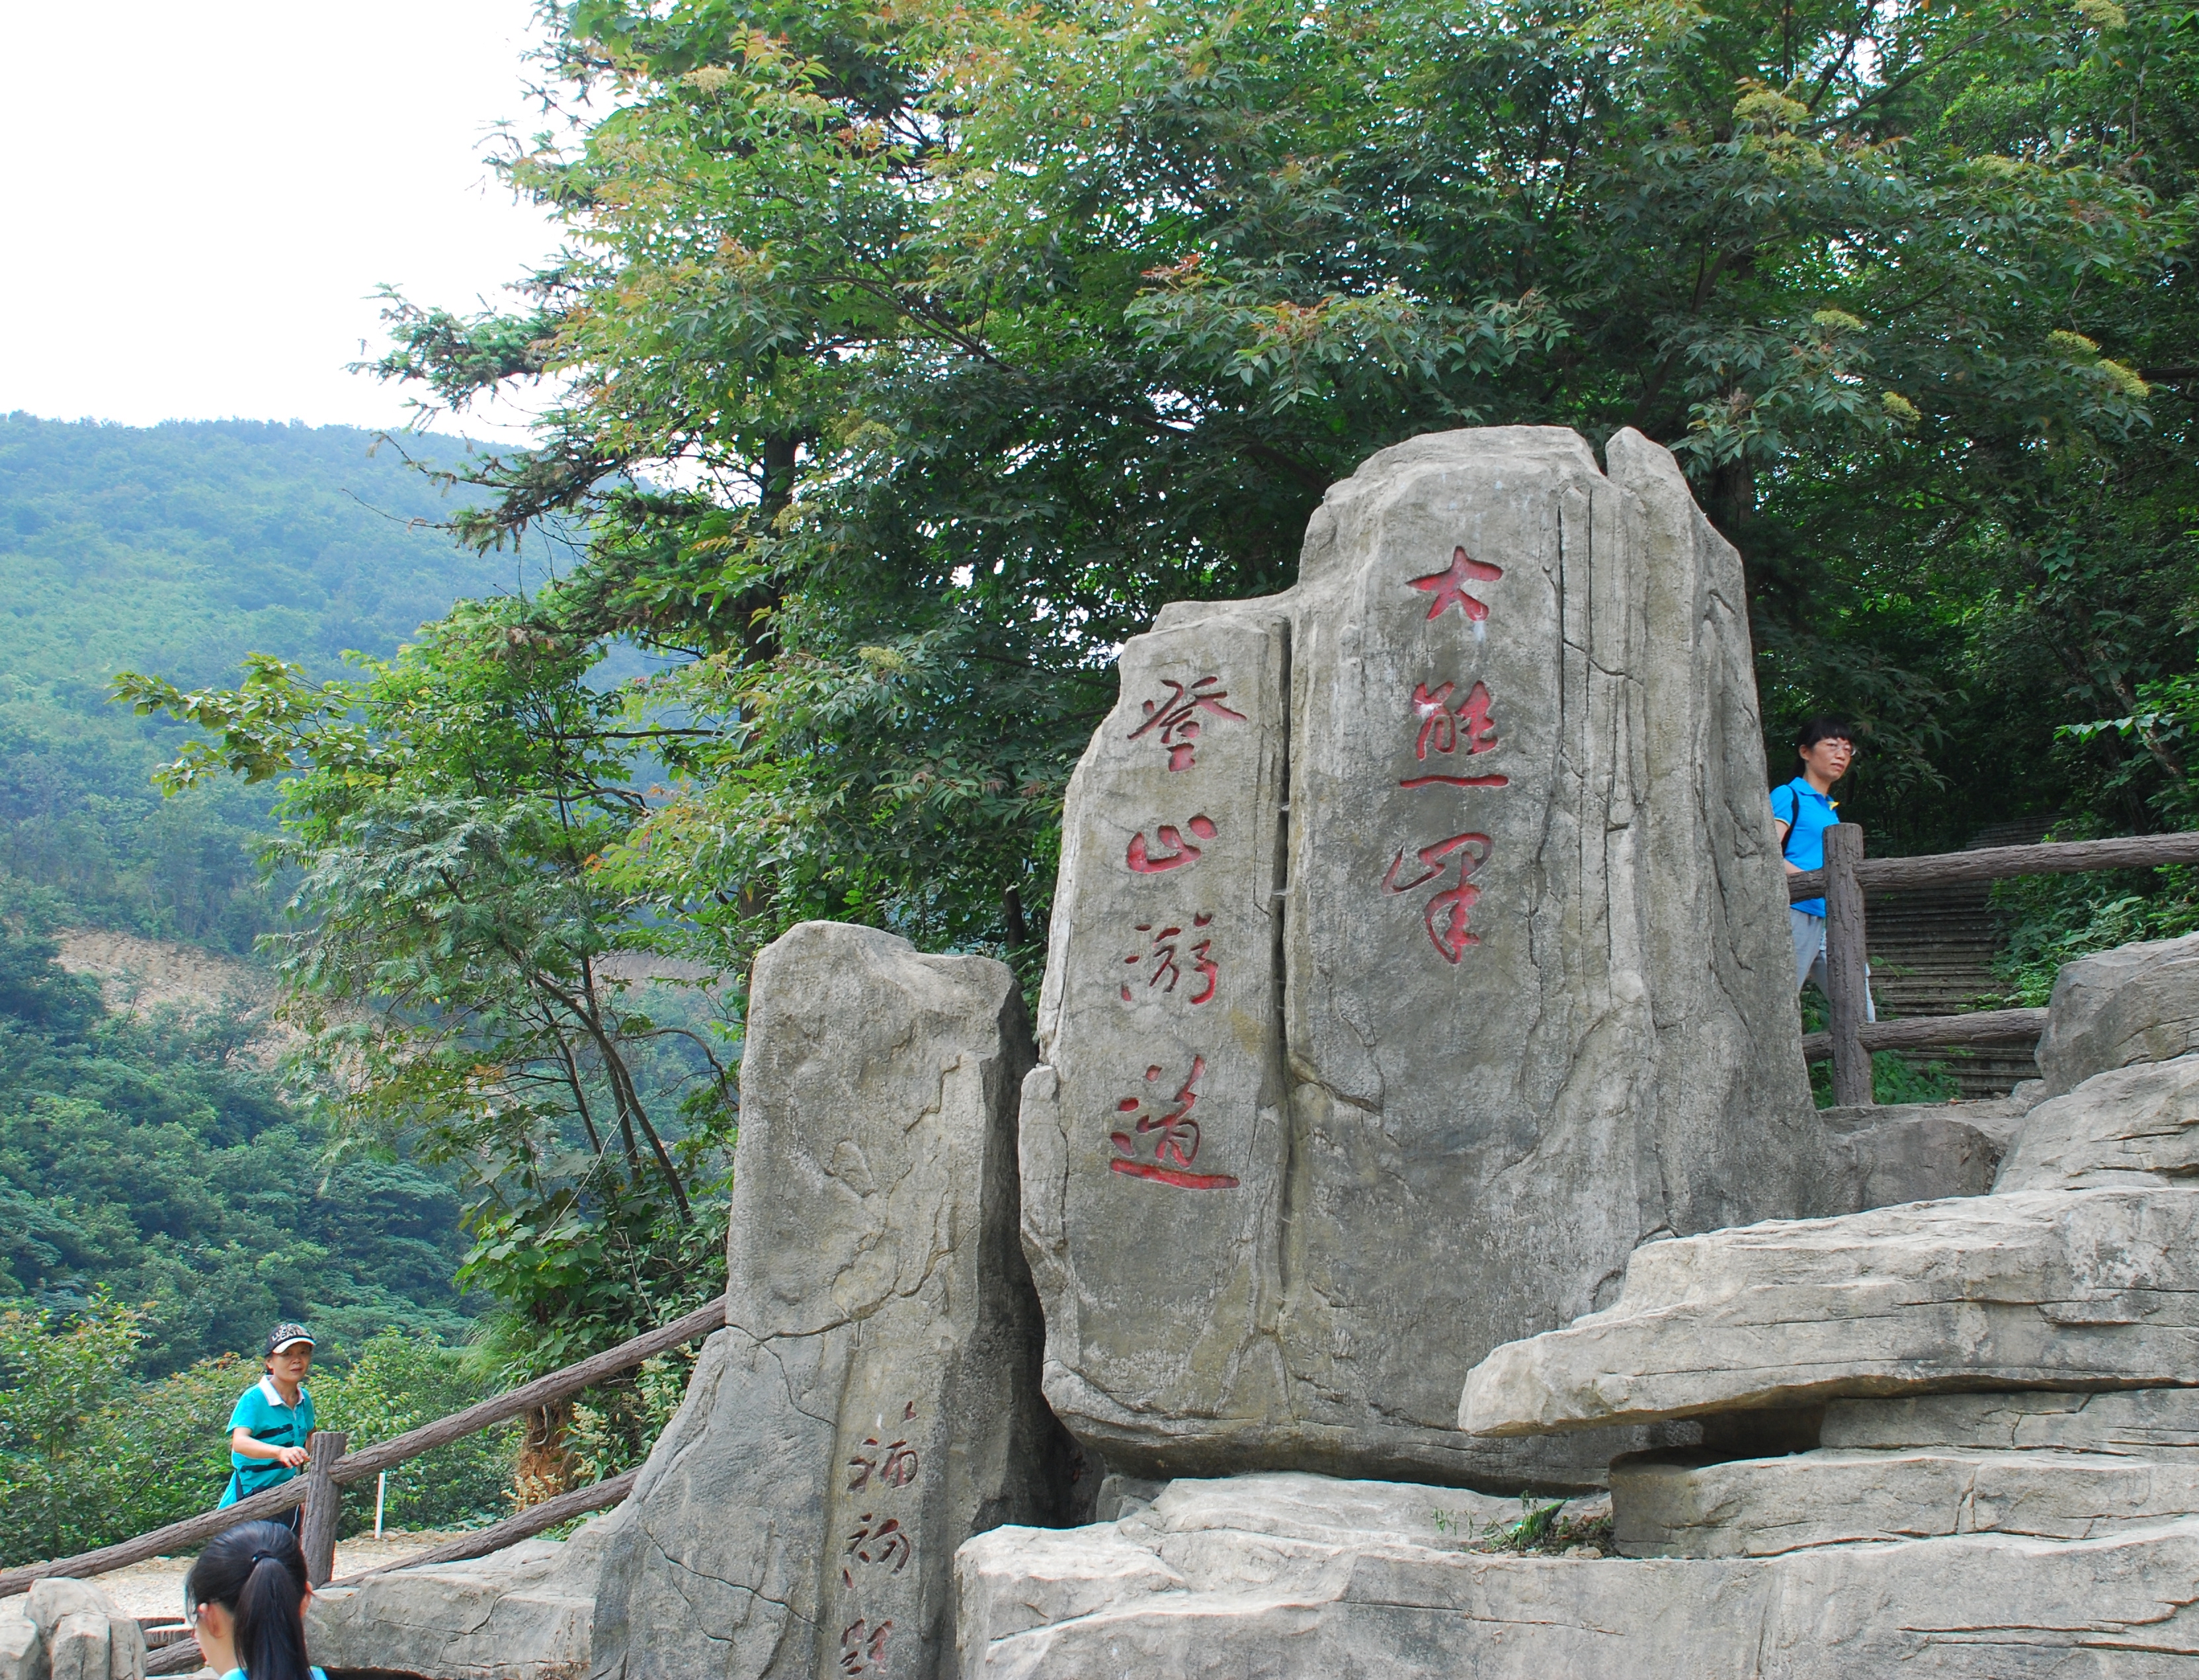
x=285, y=1335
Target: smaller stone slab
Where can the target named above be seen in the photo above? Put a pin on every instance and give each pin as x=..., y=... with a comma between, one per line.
x=1670, y=1505
x=522, y=1613
x=2085, y=1289
x=2137, y=1125
x=1207, y=1585
x=1879, y=1156
x=68, y=1630
x=2146, y=1423
x=2137, y=1003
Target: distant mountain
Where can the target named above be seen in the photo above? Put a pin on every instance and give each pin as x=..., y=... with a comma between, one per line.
x=176, y=549
x=145, y=1148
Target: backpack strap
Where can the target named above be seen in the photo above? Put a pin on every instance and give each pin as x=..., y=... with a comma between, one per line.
x=1796, y=785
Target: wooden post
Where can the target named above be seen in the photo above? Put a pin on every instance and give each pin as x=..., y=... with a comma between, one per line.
x=317, y=1529
x=1846, y=986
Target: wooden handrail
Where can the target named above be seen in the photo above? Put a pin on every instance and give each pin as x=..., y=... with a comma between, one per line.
x=2001, y=863
x=1842, y=882
x=371, y=1461
x=1985, y=1026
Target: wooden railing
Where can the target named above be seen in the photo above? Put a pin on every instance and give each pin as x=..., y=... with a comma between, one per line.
x=1841, y=883
x=331, y=1469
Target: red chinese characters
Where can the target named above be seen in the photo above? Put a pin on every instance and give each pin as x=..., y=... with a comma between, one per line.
x=1445, y=731
x=1447, y=913
x=1176, y=851
x=1448, y=588
x=863, y=1647
x=1174, y=721
x=1162, y=962
x=1451, y=732
x=1163, y=1142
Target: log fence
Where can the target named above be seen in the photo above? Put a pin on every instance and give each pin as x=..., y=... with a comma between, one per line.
x=330, y=1469
x=1850, y=1037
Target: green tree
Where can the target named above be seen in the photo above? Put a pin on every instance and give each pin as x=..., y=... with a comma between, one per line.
x=472, y=982
x=988, y=330
x=54, y=1384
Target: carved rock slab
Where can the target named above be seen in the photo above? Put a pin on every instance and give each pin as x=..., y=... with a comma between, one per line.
x=2080, y=1289
x=1419, y=948
x=873, y=1400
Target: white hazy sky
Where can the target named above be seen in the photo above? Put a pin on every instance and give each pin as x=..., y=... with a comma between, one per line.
x=204, y=197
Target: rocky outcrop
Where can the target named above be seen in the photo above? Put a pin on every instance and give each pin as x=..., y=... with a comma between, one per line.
x=66, y=1629
x=2137, y=1125
x=2053, y=1289
x=1275, y=1591
x=872, y=1400
x=2137, y=1003
x=1419, y=949
x=522, y=1613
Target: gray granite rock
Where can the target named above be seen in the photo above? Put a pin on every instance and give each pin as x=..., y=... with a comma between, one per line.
x=2085, y=1289
x=2137, y=1003
x=1251, y=1597
x=2132, y=1125
x=873, y=1399
x=22, y=1652
x=1879, y=1157
x=2145, y=1423
x=522, y=1613
x=1673, y=1505
x=1419, y=948
x=71, y=1630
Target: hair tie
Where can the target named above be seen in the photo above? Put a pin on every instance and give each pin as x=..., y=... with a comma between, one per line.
x=266, y=1557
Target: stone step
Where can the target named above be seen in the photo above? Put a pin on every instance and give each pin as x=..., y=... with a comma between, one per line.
x=1673, y=1505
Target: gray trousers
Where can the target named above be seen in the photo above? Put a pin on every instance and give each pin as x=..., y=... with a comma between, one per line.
x=1809, y=933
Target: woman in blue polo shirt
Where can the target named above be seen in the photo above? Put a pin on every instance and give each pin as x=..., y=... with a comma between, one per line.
x=271, y=1419
x=1801, y=812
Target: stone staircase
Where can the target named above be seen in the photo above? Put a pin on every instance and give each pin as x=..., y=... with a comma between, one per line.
x=1932, y=952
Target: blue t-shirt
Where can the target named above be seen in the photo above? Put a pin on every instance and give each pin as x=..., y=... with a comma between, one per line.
x=259, y=1411
x=1808, y=814
x=238, y=1674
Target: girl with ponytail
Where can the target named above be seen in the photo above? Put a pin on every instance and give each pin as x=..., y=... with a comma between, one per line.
x=245, y=1598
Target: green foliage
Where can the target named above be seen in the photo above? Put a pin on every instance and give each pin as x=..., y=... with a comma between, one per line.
x=479, y=990
x=616, y=1423
x=985, y=331
x=2053, y=919
x=181, y=548
x=397, y=1381
x=89, y=1456
x=149, y=1159
x=54, y=1389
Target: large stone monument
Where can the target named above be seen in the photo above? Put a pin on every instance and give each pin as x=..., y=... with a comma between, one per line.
x=1958, y=1438
x=871, y=1402
x=1419, y=951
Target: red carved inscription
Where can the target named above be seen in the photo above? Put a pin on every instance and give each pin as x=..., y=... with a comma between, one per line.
x=1169, y=1132
x=1448, y=586
x=1177, y=851
x=1176, y=721
x=1165, y=970
x=1447, y=913
x=863, y=1647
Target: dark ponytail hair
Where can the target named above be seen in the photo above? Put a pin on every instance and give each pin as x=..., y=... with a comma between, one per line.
x=257, y=1571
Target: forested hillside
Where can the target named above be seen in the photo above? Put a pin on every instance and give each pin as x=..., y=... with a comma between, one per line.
x=145, y=1154
x=180, y=548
